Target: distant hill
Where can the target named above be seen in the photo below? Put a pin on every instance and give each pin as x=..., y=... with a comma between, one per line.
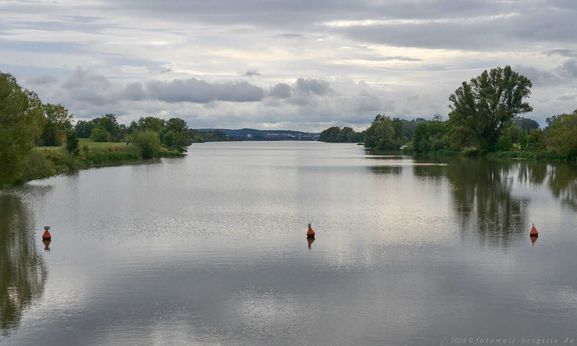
x=264, y=135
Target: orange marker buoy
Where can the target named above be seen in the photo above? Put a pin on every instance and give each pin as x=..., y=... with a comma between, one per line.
x=46, y=235
x=533, y=232
x=310, y=232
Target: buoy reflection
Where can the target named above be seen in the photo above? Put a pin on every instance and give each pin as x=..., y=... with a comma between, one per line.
x=533, y=240
x=46, y=244
x=310, y=241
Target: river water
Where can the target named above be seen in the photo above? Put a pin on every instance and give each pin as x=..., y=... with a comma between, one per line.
x=211, y=249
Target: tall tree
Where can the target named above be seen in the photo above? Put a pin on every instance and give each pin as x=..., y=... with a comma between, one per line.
x=57, y=124
x=487, y=104
x=384, y=134
x=21, y=122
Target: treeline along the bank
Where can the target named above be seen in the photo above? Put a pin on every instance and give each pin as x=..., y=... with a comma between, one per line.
x=39, y=140
x=484, y=119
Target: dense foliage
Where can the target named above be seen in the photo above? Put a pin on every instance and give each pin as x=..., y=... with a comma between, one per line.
x=21, y=123
x=148, y=142
x=337, y=134
x=486, y=106
x=561, y=135
x=57, y=124
x=385, y=134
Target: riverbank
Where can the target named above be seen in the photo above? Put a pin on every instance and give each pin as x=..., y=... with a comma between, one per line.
x=44, y=162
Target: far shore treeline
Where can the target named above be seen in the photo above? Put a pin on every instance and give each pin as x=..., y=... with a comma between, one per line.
x=485, y=119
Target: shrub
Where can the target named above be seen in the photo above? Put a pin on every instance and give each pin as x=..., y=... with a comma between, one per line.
x=37, y=166
x=148, y=142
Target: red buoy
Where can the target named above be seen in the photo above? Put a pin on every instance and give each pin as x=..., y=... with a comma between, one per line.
x=310, y=232
x=46, y=235
x=533, y=232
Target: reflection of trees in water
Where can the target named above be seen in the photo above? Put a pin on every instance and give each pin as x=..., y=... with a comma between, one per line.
x=560, y=178
x=563, y=184
x=430, y=171
x=482, y=192
x=396, y=170
x=22, y=272
x=482, y=195
x=532, y=172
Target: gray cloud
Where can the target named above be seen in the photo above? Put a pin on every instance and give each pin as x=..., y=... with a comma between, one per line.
x=569, y=67
x=312, y=86
x=252, y=73
x=281, y=91
x=199, y=91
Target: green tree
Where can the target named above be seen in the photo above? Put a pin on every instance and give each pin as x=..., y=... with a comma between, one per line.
x=148, y=142
x=150, y=123
x=110, y=125
x=487, y=104
x=536, y=141
x=384, y=134
x=330, y=135
x=21, y=122
x=71, y=142
x=561, y=135
x=99, y=134
x=83, y=128
x=56, y=126
x=174, y=135
x=430, y=136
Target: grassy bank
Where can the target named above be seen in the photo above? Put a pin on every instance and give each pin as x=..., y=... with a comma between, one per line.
x=45, y=162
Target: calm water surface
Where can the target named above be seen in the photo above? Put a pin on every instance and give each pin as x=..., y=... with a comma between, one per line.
x=211, y=249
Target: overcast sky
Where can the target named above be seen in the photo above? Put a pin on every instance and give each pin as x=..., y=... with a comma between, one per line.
x=295, y=64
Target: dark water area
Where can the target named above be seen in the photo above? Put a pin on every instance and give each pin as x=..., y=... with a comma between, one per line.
x=211, y=249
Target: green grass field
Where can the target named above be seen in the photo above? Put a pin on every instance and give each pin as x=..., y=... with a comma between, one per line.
x=89, y=144
x=99, y=145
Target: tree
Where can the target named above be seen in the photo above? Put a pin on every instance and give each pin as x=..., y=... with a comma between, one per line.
x=99, y=134
x=430, y=136
x=109, y=124
x=487, y=104
x=21, y=122
x=83, y=128
x=384, y=134
x=330, y=135
x=71, y=142
x=561, y=135
x=148, y=142
x=56, y=126
x=175, y=134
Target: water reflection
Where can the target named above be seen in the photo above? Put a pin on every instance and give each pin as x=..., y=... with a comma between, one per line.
x=46, y=243
x=396, y=170
x=483, y=199
x=482, y=196
x=22, y=272
x=533, y=240
x=310, y=241
x=563, y=184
